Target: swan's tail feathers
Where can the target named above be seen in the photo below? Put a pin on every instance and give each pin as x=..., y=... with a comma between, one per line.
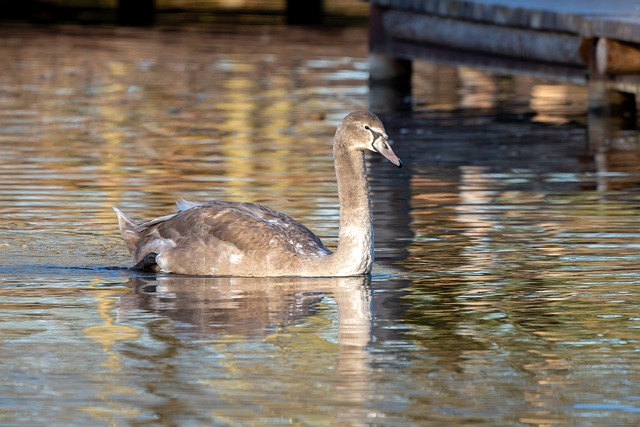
x=129, y=231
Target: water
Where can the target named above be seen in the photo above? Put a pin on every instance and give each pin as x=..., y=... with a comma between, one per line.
x=504, y=291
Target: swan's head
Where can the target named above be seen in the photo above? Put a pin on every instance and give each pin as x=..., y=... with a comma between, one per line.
x=365, y=131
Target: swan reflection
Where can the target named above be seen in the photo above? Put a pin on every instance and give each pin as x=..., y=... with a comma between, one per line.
x=284, y=319
x=252, y=306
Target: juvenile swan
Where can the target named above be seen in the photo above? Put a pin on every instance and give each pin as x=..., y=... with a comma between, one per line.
x=247, y=239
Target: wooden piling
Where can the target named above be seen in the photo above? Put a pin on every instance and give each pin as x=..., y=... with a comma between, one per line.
x=616, y=57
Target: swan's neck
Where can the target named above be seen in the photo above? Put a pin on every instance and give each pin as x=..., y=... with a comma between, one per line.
x=354, y=254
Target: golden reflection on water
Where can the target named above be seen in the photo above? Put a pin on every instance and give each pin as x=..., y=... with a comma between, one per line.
x=109, y=334
x=442, y=88
x=177, y=114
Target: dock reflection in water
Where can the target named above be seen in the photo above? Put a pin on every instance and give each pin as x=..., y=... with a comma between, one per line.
x=505, y=288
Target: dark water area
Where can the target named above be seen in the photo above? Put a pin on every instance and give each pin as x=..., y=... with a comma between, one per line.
x=505, y=289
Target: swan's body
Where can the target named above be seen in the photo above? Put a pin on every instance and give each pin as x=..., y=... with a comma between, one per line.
x=247, y=239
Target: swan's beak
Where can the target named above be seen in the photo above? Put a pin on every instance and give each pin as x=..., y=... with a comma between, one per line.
x=381, y=145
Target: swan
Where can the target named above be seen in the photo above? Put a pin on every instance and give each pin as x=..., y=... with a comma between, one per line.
x=246, y=239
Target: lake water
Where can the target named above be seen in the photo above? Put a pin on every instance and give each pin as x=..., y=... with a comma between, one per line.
x=506, y=284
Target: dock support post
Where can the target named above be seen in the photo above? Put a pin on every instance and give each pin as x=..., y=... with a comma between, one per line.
x=389, y=76
x=385, y=68
x=389, y=83
x=603, y=99
x=610, y=111
x=606, y=101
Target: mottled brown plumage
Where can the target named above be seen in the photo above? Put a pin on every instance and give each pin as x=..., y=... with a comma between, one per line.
x=247, y=239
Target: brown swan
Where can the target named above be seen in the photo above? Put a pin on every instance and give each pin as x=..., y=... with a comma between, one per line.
x=247, y=239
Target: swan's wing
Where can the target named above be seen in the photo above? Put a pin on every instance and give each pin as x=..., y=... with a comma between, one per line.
x=248, y=226
x=218, y=232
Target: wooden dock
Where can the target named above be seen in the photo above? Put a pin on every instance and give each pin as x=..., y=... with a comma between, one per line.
x=580, y=41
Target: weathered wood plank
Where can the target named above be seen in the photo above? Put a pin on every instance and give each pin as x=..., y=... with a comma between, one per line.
x=408, y=51
x=587, y=18
x=496, y=40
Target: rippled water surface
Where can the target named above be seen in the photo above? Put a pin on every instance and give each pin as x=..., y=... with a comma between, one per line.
x=506, y=286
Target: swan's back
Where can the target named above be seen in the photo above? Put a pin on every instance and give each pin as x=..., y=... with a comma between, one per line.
x=220, y=238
